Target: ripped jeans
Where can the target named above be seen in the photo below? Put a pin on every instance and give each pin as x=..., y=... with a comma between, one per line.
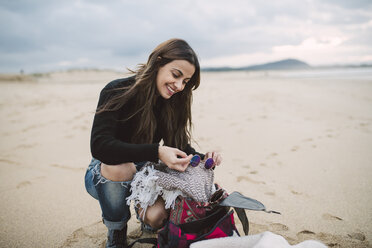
x=111, y=195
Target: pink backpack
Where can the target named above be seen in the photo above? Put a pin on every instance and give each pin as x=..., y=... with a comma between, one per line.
x=191, y=221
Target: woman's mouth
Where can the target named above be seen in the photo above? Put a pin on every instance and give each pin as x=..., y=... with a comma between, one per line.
x=170, y=90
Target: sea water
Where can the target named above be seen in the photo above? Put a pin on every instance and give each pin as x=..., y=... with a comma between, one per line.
x=339, y=73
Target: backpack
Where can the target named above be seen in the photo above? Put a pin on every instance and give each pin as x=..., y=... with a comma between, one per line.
x=191, y=221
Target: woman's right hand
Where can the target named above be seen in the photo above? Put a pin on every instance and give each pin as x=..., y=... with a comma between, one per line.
x=168, y=155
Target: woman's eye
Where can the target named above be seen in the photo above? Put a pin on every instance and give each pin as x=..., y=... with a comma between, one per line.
x=175, y=75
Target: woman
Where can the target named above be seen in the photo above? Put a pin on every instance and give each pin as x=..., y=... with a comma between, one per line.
x=133, y=115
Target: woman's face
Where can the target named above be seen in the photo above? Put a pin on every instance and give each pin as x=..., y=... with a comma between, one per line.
x=173, y=77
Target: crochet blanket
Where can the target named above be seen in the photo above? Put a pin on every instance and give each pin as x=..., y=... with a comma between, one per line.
x=155, y=180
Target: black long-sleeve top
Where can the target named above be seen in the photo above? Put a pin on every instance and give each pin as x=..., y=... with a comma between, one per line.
x=110, y=137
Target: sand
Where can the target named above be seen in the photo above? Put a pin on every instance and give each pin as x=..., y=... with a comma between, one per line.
x=301, y=145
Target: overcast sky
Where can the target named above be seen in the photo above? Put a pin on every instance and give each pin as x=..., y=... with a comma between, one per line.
x=44, y=35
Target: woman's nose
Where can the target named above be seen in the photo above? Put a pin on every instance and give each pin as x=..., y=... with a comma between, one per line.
x=179, y=85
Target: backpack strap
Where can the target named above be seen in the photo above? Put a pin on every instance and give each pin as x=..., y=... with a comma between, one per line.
x=240, y=202
x=243, y=219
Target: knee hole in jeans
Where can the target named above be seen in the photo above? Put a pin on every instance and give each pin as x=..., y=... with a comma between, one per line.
x=156, y=215
x=121, y=172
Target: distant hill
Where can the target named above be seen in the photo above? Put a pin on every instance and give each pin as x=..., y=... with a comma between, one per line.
x=287, y=64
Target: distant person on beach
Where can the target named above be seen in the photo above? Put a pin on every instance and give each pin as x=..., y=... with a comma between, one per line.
x=133, y=115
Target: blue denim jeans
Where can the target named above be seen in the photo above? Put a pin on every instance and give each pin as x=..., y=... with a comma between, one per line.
x=111, y=195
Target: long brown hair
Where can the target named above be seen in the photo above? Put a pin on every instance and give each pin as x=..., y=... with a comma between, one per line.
x=175, y=113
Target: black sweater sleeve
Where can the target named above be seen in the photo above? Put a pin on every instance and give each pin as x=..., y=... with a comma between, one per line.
x=107, y=148
x=190, y=150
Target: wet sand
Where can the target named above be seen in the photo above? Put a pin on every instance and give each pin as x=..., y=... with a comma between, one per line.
x=299, y=145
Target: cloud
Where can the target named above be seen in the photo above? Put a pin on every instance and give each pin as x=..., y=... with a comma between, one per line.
x=322, y=51
x=52, y=35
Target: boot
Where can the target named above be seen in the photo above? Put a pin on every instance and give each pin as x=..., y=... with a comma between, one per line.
x=117, y=238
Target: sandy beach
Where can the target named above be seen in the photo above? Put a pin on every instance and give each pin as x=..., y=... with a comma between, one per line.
x=299, y=143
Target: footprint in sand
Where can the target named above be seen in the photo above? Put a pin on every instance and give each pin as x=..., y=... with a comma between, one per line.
x=28, y=128
x=358, y=236
x=253, y=172
x=278, y=227
x=26, y=146
x=327, y=216
x=364, y=127
x=310, y=140
x=16, y=120
x=79, y=116
x=67, y=167
x=257, y=227
x=32, y=127
x=29, y=183
x=270, y=193
x=13, y=113
x=295, y=192
x=307, y=232
x=93, y=235
x=272, y=155
x=80, y=127
x=7, y=161
x=245, y=178
x=305, y=235
x=355, y=240
x=23, y=184
x=295, y=148
x=364, y=124
x=5, y=134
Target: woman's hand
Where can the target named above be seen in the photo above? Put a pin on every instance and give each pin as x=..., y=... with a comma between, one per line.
x=168, y=155
x=216, y=157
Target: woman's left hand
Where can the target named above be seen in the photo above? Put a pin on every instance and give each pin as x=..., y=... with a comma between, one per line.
x=217, y=158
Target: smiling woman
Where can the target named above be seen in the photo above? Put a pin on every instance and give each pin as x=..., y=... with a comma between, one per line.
x=173, y=77
x=133, y=115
